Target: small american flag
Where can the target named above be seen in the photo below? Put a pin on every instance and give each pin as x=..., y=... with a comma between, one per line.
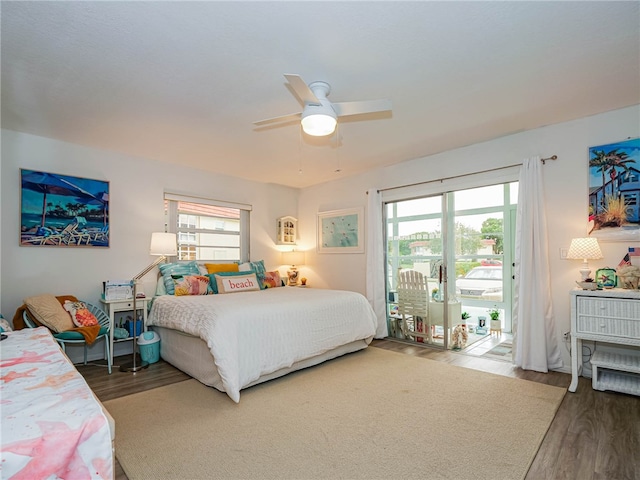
x=634, y=256
x=626, y=261
x=634, y=252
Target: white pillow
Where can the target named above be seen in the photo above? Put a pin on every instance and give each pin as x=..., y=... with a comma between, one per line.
x=237, y=283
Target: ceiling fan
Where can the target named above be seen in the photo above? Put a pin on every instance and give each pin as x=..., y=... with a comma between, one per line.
x=319, y=116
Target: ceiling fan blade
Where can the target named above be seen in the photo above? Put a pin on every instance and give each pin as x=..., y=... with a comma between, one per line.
x=344, y=109
x=302, y=90
x=281, y=119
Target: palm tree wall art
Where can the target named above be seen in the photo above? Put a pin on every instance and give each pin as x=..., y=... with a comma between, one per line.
x=614, y=191
x=63, y=210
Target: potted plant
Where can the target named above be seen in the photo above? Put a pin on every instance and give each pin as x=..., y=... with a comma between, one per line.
x=465, y=316
x=495, y=319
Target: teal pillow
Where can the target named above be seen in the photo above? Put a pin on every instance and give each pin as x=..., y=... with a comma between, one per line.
x=168, y=269
x=212, y=277
x=257, y=267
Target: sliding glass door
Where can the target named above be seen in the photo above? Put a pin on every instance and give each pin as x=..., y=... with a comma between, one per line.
x=484, y=240
x=415, y=244
x=462, y=243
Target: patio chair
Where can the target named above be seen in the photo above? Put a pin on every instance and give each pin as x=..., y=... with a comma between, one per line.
x=101, y=235
x=413, y=305
x=72, y=337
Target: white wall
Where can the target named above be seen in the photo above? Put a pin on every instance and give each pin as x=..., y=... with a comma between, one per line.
x=137, y=186
x=566, y=186
x=136, y=192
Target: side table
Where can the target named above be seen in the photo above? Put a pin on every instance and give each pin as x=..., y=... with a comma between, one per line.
x=113, y=306
x=610, y=316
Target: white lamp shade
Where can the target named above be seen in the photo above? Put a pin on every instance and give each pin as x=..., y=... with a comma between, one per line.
x=584, y=249
x=163, y=244
x=293, y=258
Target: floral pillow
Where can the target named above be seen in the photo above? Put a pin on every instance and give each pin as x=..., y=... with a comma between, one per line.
x=271, y=280
x=80, y=314
x=4, y=325
x=191, y=285
x=169, y=269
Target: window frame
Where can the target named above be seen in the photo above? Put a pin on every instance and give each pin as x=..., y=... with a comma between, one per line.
x=171, y=225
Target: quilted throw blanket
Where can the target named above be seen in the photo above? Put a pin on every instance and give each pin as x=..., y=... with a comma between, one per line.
x=251, y=334
x=52, y=425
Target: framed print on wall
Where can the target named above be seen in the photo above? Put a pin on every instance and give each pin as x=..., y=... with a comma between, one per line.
x=341, y=231
x=63, y=211
x=614, y=191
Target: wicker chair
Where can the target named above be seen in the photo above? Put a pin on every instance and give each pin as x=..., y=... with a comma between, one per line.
x=64, y=338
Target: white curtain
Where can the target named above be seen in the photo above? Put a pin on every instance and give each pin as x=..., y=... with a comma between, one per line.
x=535, y=344
x=375, y=261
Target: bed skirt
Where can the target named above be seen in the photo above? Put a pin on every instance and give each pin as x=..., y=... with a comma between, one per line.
x=192, y=355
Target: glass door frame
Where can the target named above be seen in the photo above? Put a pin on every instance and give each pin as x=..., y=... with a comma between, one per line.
x=391, y=269
x=508, y=210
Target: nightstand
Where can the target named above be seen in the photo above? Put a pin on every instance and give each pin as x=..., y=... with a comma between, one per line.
x=113, y=306
x=609, y=316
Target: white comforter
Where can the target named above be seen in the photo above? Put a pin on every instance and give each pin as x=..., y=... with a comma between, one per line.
x=251, y=334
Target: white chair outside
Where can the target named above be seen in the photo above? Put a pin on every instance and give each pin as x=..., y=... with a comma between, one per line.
x=413, y=305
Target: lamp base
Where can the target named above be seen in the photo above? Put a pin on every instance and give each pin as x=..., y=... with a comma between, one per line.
x=134, y=366
x=293, y=276
x=585, y=271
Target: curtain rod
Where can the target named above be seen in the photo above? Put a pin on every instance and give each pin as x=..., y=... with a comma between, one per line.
x=543, y=160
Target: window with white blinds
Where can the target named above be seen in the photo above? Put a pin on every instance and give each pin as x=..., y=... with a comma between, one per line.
x=207, y=229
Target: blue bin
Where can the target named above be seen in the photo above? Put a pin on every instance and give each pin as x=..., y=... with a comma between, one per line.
x=149, y=346
x=129, y=326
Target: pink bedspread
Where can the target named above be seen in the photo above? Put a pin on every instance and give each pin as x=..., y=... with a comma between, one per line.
x=52, y=425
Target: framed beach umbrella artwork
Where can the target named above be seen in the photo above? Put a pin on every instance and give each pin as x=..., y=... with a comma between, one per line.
x=63, y=211
x=614, y=191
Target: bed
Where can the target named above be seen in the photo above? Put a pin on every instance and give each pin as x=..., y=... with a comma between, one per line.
x=234, y=341
x=52, y=424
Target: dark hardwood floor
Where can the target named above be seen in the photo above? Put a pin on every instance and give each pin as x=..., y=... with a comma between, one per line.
x=594, y=436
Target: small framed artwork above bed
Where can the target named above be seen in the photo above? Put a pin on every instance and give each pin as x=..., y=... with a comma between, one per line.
x=341, y=231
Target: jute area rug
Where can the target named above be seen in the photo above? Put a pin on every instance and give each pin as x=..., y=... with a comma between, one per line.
x=373, y=414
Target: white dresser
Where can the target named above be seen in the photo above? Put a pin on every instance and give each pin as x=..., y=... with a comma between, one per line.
x=609, y=316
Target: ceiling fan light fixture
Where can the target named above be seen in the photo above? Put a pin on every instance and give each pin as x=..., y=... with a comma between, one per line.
x=319, y=125
x=318, y=120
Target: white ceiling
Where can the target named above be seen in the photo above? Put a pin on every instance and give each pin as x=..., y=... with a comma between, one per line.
x=182, y=82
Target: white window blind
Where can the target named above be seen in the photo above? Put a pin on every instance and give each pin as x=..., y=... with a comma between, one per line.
x=207, y=229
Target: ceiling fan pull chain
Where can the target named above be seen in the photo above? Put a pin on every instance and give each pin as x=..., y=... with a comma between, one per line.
x=337, y=136
x=300, y=150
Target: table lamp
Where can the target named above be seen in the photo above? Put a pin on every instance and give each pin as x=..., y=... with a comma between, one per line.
x=163, y=245
x=584, y=249
x=293, y=258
